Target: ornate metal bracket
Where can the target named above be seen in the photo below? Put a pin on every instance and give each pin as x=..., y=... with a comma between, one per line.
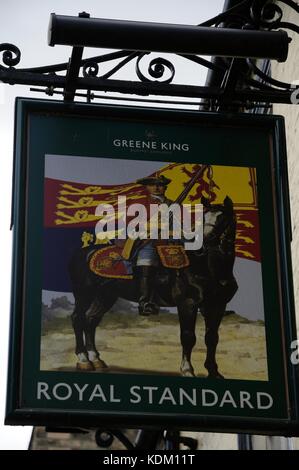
x=146, y=440
x=241, y=82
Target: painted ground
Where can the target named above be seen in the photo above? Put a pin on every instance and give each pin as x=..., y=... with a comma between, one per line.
x=130, y=343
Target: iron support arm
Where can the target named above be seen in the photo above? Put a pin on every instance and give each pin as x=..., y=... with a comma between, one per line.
x=249, y=28
x=12, y=76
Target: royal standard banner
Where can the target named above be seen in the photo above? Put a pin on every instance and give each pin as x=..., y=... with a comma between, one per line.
x=70, y=207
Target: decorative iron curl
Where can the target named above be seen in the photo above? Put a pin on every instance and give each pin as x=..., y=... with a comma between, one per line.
x=90, y=69
x=255, y=14
x=9, y=50
x=266, y=16
x=169, y=440
x=156, y=69
x=105, y=438
x=270, y=15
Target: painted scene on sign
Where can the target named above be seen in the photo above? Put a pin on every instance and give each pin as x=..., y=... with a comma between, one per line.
x=151, y=268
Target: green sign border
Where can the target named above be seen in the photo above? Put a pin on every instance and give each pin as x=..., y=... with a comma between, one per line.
x=50, y=127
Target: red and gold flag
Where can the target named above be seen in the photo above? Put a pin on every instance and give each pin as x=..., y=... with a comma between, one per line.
x=73, y=204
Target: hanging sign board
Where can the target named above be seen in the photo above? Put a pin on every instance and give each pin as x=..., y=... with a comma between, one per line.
x=152, y=280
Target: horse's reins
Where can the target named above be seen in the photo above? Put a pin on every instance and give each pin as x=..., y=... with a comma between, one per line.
x=220, y=231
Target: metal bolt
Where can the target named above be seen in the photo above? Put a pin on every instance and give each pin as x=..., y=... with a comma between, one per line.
x=83, y=14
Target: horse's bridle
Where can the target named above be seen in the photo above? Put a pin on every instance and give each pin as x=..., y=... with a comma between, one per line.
x=220, y=231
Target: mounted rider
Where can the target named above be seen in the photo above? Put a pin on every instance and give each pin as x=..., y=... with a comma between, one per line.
x=145, y=253
x=143, y=257
x=149, y=254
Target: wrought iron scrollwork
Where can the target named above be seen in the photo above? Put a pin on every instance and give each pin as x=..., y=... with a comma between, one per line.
x=270, y=15
x=105, y=439
x=255, y=14
x=90, y=69
x=258, y=15
x=266, y=16
x=11, y=54
x=91, y=66
x=156, y=69
x=145, y=440
x=250, y=86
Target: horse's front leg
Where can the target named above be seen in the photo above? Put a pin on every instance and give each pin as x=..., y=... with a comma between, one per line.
x=213, y=315
x=187, y=310
x=92, y=352
x=93, y=317
x=78, y=321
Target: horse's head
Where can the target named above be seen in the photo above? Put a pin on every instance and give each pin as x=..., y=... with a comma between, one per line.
x=219, y=228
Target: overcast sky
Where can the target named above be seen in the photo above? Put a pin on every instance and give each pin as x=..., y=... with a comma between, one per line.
x=25, y=24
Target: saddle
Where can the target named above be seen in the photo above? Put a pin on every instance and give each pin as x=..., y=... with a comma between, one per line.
x=108, y=261
x=173, y=256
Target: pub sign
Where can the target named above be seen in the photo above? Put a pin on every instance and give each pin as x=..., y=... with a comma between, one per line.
x=152, y=279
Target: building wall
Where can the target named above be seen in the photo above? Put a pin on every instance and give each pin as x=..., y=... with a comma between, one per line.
x=289, y=72
x=215, y=441
x=44, y=440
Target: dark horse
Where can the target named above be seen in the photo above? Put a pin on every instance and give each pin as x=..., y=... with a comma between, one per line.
x=207, y=284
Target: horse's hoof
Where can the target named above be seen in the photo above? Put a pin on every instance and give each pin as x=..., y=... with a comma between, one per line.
x=85, y=366
x=215, y=375
x=148, y=308
x=188, y=373
x=98, y=364
x=144, y=314
x=155, y=312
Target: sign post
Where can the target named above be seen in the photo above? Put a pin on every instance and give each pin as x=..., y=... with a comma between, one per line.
x=138, y=332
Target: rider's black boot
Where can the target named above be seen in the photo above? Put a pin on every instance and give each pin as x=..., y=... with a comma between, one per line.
x=147, y=275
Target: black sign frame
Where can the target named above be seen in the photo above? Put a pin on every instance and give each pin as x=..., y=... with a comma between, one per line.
x=31, y=118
